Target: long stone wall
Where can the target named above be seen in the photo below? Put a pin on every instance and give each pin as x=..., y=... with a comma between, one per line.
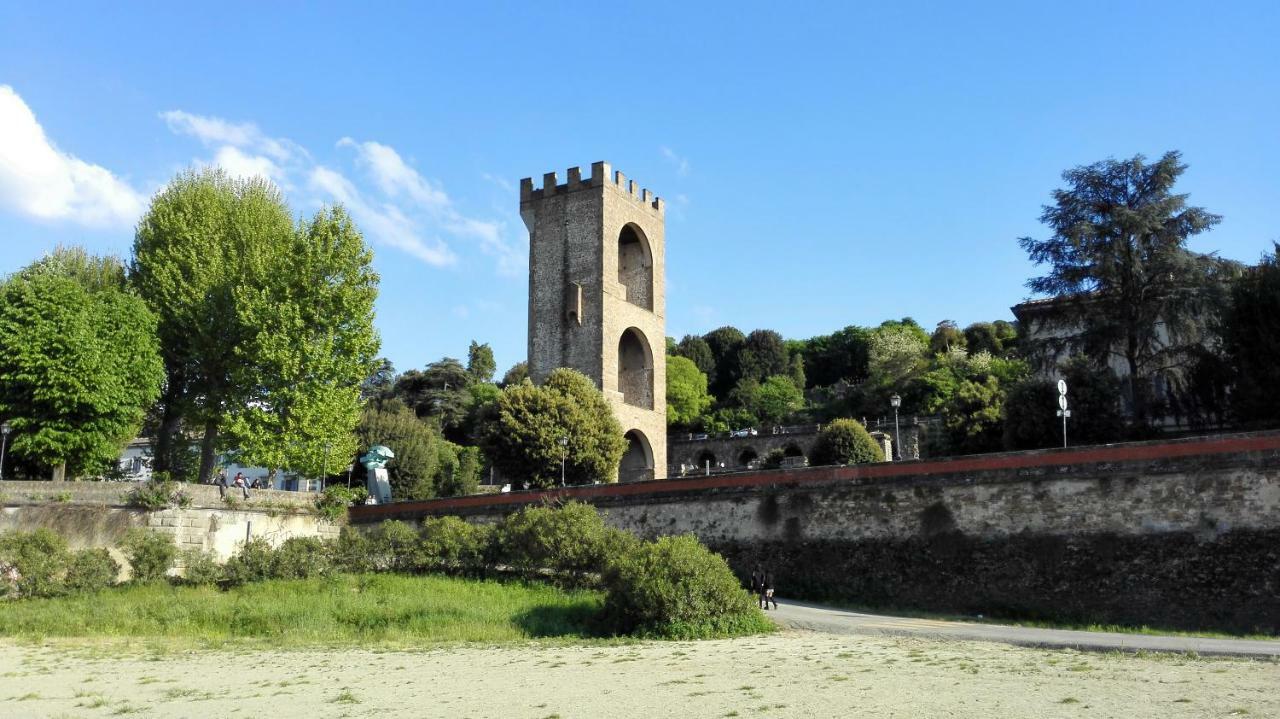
x=98, y=514
x=1183, y=533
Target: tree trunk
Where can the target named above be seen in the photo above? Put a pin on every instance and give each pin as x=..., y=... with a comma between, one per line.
x=170, y=425
x=60, y=472
x=207, y=446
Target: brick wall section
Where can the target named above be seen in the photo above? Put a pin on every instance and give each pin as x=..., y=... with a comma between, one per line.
x=1183, y=533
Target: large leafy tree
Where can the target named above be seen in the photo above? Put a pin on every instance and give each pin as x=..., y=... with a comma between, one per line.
x=839, y=356
x=521, y=432
x=687, y=397
x=310, y=345
x=480, y=362
x=696, y=349
x=426, y=465
x=725, y=344
x=763, y=355
x=79, y=362
x=1118, y=264
x=1251, y=341
x=266, y=327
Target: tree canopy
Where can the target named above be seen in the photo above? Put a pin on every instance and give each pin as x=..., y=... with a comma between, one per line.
x=687, y=396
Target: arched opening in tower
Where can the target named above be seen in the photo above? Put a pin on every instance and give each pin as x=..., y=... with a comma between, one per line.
x=637, y=462
x=635, y=266
x=635, y=369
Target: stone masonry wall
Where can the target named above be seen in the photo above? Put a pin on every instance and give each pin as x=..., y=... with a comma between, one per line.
x=1183, y=533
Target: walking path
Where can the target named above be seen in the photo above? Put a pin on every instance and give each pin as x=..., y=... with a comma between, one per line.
x=819, y=618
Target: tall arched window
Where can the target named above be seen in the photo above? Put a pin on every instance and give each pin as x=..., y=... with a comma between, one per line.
x=637, y=462
x=635, y=369
x=635, y=266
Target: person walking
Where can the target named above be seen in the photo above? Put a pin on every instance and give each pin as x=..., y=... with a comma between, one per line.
x=766, y=596
x=221, y=481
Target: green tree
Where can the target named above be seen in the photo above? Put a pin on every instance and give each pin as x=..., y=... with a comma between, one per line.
x=518, y=373
x=79, y=362
x=206, y=242
x=416, y=444
x=840, y=356
x=947, y=337
x=1251, y=341
x=845, y=441
x=1030, y=412
x=696, y=349
x=896, y=352
x=1118, y=264
x=521, y=433
x=308, y=347
x=480, y=363
x=773, y=400
x=687, y=397
x=763, y=355
x=725, y=344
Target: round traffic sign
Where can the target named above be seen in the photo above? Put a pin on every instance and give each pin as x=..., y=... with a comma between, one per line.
x=1062, y=387
x=1062, y=401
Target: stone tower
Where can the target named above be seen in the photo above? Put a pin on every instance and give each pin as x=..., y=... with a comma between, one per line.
x=597, y=300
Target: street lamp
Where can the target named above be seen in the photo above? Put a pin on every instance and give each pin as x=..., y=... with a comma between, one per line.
x=324, y=468
x=564, y=455
x=895, y=401
x=5, y=429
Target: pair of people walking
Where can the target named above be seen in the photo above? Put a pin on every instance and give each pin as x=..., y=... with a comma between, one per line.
x=762, y=587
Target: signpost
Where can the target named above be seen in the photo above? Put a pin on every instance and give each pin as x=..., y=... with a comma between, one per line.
x=1063, y=412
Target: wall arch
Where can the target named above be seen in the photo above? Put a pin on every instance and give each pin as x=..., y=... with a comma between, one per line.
x=747, y=456
x=635, y=266
x=637, y=461
x=635, y=369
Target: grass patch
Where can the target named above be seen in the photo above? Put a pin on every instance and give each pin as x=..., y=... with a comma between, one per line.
x=342, y=610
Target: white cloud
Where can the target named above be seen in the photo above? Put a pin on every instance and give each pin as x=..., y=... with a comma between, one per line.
x=39, y=180
x=217, y=131
x=385, y=222
x=680, y=163
x=239, y=164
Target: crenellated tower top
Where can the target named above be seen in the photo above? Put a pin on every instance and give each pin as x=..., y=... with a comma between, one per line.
x=600, y=176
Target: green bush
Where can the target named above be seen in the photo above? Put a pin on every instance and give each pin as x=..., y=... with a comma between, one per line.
x=150, y=554
x=253, y=563
x=452, y=545
x=571, y=541
x=302, y=558
x=351, y=552
x=91, y=570
x=774, y=459
x=676, y=588
x=845, y=441
x=334, y=502
x=200, y=568
x=38, y=558
x=158, y=494
x=393, y=546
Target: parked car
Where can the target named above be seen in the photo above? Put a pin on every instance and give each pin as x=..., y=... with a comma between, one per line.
x=748, y=432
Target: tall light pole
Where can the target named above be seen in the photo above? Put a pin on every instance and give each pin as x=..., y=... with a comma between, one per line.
x=564, y=455
x=895, y=401
x=5, y=429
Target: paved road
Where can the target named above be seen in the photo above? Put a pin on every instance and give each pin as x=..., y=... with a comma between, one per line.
x=816, y=617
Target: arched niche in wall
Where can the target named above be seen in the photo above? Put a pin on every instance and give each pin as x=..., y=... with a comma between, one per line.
x=637, y=461
x=635, y=369
x=635, y=266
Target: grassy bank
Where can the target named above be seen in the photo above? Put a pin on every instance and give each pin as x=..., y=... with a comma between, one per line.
x=344, y=609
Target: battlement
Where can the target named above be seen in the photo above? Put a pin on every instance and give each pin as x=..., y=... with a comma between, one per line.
x=600, y=175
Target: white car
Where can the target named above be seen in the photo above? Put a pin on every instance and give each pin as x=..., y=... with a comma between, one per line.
x=748, y=432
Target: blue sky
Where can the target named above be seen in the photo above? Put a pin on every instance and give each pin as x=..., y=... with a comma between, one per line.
x=823, y=165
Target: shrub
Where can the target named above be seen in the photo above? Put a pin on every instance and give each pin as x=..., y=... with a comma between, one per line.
x=302, y=558
x=91, y=570
x=253, y=563
x=452, y=545
x=200, y=568
x=155, y=495
x=774, y=459
x=677, y=588
x=845, y=441
x=150, y=554
x=351, y=553
x=333, y=504
x=393, y=546
x=33, y=563
x=571, y=541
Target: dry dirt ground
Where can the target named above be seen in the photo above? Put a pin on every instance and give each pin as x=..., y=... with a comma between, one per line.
x=789, y=674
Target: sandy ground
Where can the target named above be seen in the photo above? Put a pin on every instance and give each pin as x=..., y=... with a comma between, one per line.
x=791, y=674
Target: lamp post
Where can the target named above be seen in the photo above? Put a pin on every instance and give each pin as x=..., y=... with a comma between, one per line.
x=564, y=455
x=5, y=429
x=324, y=468
x=895, y=401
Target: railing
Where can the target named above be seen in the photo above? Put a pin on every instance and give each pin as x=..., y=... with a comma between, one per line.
x=746, y=432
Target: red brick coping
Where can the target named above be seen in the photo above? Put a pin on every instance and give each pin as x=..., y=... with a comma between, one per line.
x=1128, y=452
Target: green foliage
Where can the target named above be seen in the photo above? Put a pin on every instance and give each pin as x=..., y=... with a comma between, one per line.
x=518, y=373
x=725, y=344
x=200, y=568
x=777, y=399
x=40, y=559
x=480, y=363
x=845, y=441
x=391, y=546
x=302, y=558
x=763, y=355
x=80, y=362
x=150, y=554
x=521, y=432
x=676, y=588
x=995, y=338
x=333, y=503
x=896, y=352
x=972, y=416
x=572, y=541
x=1251, y=341
x=1031, y=420
x=947, y=337
x=774, y=459
x=254, y=562
x=458, y=470
x=91, y=570
x=351, y=553
x=696, y=350
x=841, y=356
x=417, y=446
x=687, y=396
x=158, y=494
x=1126, y=284
x=450, y=544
